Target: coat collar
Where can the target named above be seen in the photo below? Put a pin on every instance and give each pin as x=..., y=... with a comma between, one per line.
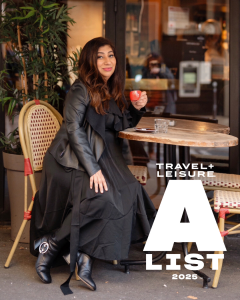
x=97, y=121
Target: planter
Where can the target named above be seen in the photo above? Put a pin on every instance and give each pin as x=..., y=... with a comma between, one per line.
x=15, y=178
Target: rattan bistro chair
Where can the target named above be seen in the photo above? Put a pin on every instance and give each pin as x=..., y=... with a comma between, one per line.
x=223, y=182
x=38, y=124
x=140, y=173
x=225, y=202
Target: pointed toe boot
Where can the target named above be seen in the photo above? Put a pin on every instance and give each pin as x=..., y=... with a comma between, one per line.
x=49, y=248
x=84, y=270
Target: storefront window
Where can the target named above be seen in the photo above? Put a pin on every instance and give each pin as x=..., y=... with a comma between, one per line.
x=178, y=51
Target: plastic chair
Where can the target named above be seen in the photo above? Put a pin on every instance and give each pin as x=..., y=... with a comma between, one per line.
x=38, y=124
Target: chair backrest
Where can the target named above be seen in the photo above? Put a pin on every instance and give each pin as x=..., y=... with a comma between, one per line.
x=38, y=124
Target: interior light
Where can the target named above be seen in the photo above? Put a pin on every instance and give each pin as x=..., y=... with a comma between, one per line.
x=138, y=77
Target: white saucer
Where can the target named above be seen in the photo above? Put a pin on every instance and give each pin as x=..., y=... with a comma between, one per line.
x=146, y=130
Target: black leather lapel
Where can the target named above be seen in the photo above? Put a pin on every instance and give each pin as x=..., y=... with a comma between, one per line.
x=96, y=121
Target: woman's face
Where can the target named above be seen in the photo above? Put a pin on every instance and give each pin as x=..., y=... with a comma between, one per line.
x=106, y=62
x=211, y=40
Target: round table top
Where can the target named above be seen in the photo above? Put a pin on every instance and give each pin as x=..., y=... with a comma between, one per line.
x=182, y=137
x=189, y=125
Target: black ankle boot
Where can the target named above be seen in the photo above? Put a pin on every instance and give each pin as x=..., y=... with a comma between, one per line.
x=84, y=270
x=49, y=248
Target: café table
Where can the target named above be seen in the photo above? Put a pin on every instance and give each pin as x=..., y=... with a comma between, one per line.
x=186, y=125
x=182, y=137
x=182, y=134
x=185, y=133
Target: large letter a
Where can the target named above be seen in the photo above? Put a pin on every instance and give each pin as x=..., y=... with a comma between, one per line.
x=202, y=227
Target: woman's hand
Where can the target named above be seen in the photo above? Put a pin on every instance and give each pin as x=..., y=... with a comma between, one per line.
x=98, y=180
x=141, y=102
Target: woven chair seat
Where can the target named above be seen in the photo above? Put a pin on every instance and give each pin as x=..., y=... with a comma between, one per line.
x=221, y=180
x=226, y=199
x=139, y=172
x=42, y=127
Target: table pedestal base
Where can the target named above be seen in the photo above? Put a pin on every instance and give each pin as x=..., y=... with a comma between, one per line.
x=127, y=263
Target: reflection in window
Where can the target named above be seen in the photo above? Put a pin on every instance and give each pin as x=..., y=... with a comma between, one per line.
x=160, y=35
x=178, y=52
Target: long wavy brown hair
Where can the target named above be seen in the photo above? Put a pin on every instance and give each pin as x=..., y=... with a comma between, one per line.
x=99, y=90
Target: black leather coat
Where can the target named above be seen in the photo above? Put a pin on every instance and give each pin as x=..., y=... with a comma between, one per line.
x=80, y=141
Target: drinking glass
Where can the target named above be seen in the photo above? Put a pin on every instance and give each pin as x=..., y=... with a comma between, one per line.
x=161, y=125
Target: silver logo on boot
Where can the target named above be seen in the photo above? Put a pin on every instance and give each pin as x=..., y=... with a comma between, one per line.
x=43, y=248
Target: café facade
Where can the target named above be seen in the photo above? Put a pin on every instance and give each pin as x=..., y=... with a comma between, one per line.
x=156, y=40
x=185, y=55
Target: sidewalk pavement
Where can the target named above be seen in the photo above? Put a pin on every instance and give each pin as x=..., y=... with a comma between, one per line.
x=20, y=281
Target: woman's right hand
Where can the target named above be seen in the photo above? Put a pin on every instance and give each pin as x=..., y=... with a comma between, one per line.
x=98, y=180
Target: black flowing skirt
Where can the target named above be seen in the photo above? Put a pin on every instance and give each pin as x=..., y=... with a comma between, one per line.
x=107, y=223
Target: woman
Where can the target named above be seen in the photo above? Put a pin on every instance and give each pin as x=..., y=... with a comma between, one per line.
x=155, y=68
x=87, y=192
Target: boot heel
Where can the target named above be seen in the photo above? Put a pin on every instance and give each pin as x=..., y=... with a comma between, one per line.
x=76, y=273
x=83, y=270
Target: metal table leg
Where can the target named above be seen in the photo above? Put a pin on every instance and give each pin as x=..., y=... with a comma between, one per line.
x=185, y=158
x=158, y=178
x=129, y=262
x=205, y=278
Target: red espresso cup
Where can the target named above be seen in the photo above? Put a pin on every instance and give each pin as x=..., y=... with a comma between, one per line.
x=135, y=95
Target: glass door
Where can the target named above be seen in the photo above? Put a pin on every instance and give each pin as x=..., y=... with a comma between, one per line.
x=178, y=51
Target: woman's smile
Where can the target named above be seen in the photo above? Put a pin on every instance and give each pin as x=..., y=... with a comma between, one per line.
x=107, y=69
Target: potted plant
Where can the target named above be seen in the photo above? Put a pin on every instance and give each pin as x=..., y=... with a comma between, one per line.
x=35, y=35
